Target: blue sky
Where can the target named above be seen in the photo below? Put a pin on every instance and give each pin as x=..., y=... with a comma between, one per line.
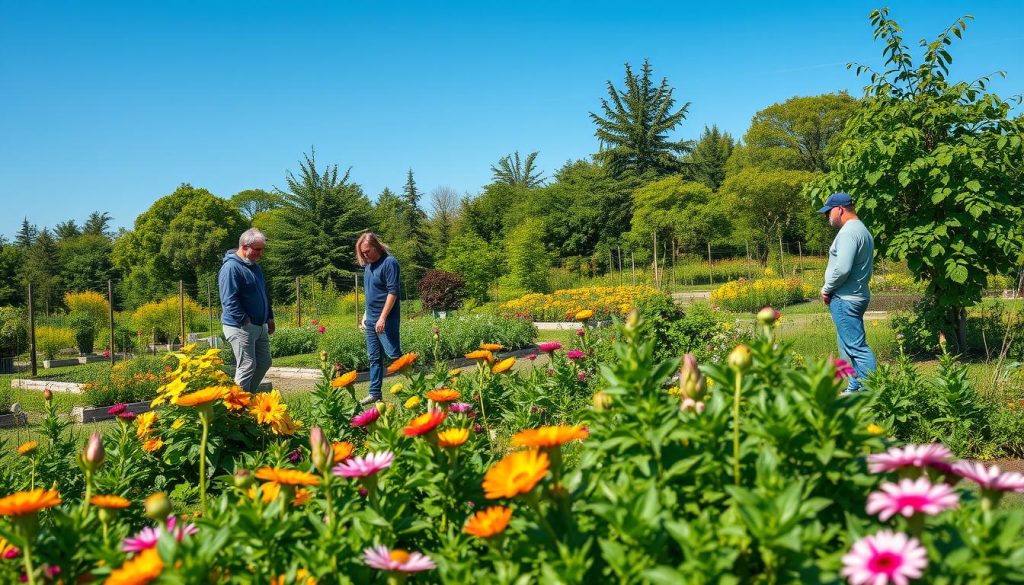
x=109, y=105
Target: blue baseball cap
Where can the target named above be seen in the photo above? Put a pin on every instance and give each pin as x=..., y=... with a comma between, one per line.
x=836, y=200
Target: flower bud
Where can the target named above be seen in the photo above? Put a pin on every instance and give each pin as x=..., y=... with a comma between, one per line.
x=691, y=381
x=942, y=340
x=740, y=358
x=320, y=449
x=157, y=506
x=94, y=454
x=601, y=400
x=767, y=316
x=323, y=356
x=243, y=479
x=47, y=395
x=632, y=320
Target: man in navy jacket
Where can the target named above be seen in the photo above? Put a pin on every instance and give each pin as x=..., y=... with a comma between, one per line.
x=247, y=318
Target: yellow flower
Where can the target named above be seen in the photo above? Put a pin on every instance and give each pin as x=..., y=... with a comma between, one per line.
x=143, y=568
x=144, y=423
x=237, y=399
x=342, y=450
x=452, y=437
x=584, y=315
x=516, y=474
x=503, y=366
x=28, y=448
x=492, y=346
x=285, y=425
x=875, y=429
x=178, y=423
x=202, y=397
x=110, y=502
x=396, y=388
x=412, y=402
x=267, y=407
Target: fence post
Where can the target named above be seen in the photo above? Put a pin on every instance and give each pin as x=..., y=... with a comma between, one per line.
x=711, y=267
x=632, y=258
x=747, y=244
x=782, y=265
x=32, y=332
x=181, y=309
x=657, y=280
x=355, y=277
x=209, y=303
x=800, y=250
x=298, y=301
x=110, y=301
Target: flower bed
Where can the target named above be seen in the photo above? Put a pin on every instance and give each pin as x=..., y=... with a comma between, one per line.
x=752, y=295
x=604, y=301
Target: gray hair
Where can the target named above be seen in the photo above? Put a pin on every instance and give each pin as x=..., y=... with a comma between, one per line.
x=250, y=237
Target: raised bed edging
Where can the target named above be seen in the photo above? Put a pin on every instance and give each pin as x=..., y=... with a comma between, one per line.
x=15, y=419
x=76, y=388
x=567, y=325
x=84, y=414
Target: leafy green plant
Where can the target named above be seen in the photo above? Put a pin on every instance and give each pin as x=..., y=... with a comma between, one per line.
x=52, y=340
x=294, y=340
x=85, y=331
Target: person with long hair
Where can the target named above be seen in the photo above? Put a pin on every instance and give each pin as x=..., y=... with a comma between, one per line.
x=382, y=309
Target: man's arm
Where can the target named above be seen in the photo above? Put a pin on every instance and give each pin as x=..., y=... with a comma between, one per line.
x=389, y=303
x=227, y=286
x=392, y=276
x=846, y=249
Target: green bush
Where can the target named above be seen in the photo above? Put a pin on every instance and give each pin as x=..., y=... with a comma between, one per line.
x=51, y=340
x=84, y=326
x=133, y=380
x=13, y=333
x=293, y=341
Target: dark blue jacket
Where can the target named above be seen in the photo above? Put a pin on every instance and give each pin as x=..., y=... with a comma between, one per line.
x=243, y=292
x=380, y=279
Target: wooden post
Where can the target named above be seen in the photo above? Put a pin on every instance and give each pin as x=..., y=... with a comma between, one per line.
x=298, y=301
x=181, y=310
x=209, y=303
x=110, y=301
x=800, y=250
x=32, y=332
x=711, y=267
x=782, y=265
x=747, y=244
x=632, y=258
x=657, y=281
x=358, y=316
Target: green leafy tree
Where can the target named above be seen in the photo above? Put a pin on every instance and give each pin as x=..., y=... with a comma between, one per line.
x=197, y=237
x=478, y=262
x=66, y=230
x=444, y=211
x=41, y=268
x=526, y=258
x=634, y=130
x=706, y=162
x=801, y=133
x=85, y=262
x=252, y=202
x=681, y=213
x=11, y=292
x=97, y=224
x=494, y=211
x=314, y=232
x=934, y=167
x=768, y=204
x=513, y=171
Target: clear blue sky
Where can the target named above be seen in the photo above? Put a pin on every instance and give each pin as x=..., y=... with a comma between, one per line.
x=109, y=105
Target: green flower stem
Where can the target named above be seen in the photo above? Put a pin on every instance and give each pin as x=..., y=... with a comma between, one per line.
x=327, y=496
x=736, y=429
x=30, y=570
x=32, y=483
x=204, y=418
x=88, y=492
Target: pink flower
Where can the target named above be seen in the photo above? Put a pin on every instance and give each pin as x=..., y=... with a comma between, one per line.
x=885, y=557
x=691, y=405
x=127, y=415
x=363, y=492
x=991, y=478
x=574, y=354
x=582, y=376
x=366, y=417
x=909, y=497
x=478, y=429
x=12, y=553
x=844, y=369
x=116, y=409
x=148, y=536
x=531, y=356
x=580, y=332
x=460, y=407
x=380, y=557
x=549, y=346
x=933, y=455
x=321, y=329
x=364, y=466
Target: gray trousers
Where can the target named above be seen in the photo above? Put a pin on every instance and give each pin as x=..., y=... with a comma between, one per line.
x=251, y=345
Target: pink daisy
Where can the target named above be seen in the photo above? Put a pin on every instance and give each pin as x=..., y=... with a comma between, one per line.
x=990, y=478
x=385, y=559
x=460, y=407
x=363, y=466
x=844, y=369
x=933, y=455
x=885, y=557
x=911, y=496
x=148, y=536
x=574, y=354
x=366, y=417
x=549, y=346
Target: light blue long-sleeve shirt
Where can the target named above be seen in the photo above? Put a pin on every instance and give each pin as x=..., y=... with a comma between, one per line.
x=850, y=259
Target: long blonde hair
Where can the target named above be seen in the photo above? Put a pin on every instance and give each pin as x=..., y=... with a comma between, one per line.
x=372, y=239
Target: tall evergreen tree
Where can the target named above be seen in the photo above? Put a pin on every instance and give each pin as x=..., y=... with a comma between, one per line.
x=515, y=172
x=97, y=224
x=415, y=219
x=41, y=267
x=706, y=162
x=26, y=235
x=66, y=230
x=634, y=128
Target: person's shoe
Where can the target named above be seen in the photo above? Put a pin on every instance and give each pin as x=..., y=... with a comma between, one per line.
x=369, y=400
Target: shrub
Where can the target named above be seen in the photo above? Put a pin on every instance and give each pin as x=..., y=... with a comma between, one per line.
x=441, y=290
x=13, y=333
x=605, y=301
x=85, y=331
x=91, y=303
x=161, y=317
x=895, y=282
x=294, y=341
x=133, y=380
x=752, y=295
x=51, y=340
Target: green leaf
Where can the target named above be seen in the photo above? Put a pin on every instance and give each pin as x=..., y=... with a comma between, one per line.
x=958, y=274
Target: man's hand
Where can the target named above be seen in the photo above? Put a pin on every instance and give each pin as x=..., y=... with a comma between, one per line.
x=271, y=327
x=379, y=327
x=825, y=298
x=362, y=323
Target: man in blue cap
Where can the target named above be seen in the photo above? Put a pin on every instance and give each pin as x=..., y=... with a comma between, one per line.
x=846, y=290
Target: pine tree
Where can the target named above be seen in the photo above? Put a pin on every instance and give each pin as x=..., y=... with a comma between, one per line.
x=41, y=267
x=66, y=230
x=513, y=171
x=27, y=235
x=419, y=257
x=706, y=162
x=97, y=224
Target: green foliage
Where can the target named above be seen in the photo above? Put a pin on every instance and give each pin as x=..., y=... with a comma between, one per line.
x=85, y=261
x=934, y=168
x=198, y=236
x=706, y=162
x=801, y=134
x=491, y=214
x=634, y=128
x=476, y=261
x=162, y=318
x=52, y=340
x=678, y=211
x=526, y=258
x=11, y=291
x=768, y=204
x=294, y=340
x=752, y=295
x=13, y=331
x=514, y=172
x=84, y=327
x=41, y=267
x=252, y=202
x=133, y=380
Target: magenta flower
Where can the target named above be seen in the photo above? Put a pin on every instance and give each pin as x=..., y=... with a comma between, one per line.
x=460, y=407
x=478, y=429
x=885, y=557
x=366, y=417
x=582, y=376
x=580, y=332
x=549, y=346
x=12, y=553
x=991, y=478
x=844, y=369
x=531, y=356
x=574, y=354
x=385, y=559
x=127, y=415
x=909, y=497
x=321, y=329
x=116, y=409
x=933, y=455
x=364, y=466
x=148, y=536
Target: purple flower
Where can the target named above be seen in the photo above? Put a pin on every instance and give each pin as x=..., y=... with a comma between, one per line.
x=460, y=407
x=575, y=354
x=148, y=536
x=582, y=376
x=295, y=456
x=370, y=415
x=116, y=409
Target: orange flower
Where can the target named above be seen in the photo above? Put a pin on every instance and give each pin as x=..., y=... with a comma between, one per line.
x=302, y=495
x=452, y=437
x=237, y=399
x=489, y=522
x=443, y=395
x=492, y=346
x=503, y=366
x=21, y=503
x=109, y=502
x=548, y=436
x=345, y=379
x=143, y=568
x=481, y=355
x=202, y=397
x=516, y=474
x=342, y=450
x=302, y=577
x=402, y=363
x=28, y=448
x=267, y=407
x=425, y=423
x=286, y=476
x=268, y=492
x=152, y=445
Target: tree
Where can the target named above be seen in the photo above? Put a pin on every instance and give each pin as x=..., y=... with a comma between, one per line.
x=526, y=259
x=199, y=235
x=679, y=212
x=85, y=262
x=800, y=133
x=768, y=204
x=635, y=126
x=706, y=162
x=419, y=257
x=492, y=212
x=41, y=268
x=253, y=202
x=97, y=224
x=514, y=172
x=11, y=292
x=26, y=235
x=475, y=260
x=934, y=167
x=316, y=229
x=444, y=207
x=66, y=229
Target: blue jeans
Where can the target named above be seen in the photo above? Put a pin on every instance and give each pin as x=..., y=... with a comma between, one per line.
x=378, y=344
x=848, y=316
